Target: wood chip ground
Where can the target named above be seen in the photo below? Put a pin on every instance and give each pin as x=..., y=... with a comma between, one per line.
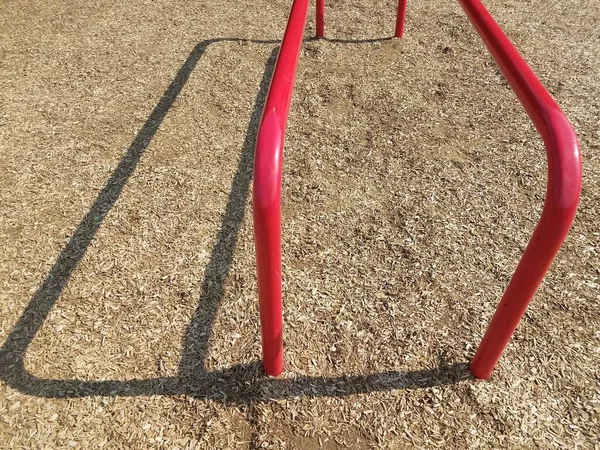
x=412, y=182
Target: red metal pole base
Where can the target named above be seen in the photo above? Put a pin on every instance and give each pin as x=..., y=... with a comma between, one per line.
x=320, y=18
x=400, y=18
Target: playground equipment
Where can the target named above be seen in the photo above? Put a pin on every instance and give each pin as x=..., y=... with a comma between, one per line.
x=562, y=195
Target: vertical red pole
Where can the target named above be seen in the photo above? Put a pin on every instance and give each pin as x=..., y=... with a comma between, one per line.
x=267, y=238
x=320, y=18
x=267, y=218
x=268, y=159
x=400, y=18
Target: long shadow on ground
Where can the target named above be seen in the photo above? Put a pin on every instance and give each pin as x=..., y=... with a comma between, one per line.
x=241, y=384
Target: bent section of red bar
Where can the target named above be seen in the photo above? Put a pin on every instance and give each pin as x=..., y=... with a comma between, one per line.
x=268, y=159
x=562, y=195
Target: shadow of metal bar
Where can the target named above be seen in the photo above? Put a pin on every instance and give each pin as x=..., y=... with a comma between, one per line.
x=241, y=384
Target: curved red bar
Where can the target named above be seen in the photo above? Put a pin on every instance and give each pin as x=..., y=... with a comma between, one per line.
x=562, y=195
x=267, y=189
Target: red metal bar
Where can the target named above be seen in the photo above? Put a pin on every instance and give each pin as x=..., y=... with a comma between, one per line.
x=562, y=195
x=267, y=189
x=400, y=18
x=320, y=18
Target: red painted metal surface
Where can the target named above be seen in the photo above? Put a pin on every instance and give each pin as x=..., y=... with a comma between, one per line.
x=267, y=189
x=320, y=18
x=400, y=18
x=562, y=195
